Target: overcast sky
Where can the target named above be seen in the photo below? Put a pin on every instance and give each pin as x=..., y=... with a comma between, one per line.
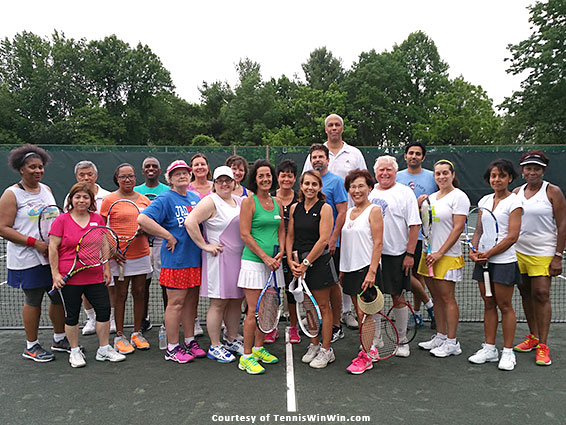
x=202, y=40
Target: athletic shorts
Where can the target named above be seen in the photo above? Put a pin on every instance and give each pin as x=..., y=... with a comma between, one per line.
x=352, y=281
x=447, y=268
x=533, y=266
x=418, y=254
x=186, y=278
x=504, y=274
x=393, y=278
x=96, y=294
x=322, y=274
x=32, y=278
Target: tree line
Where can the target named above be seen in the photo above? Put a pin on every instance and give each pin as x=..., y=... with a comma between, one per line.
x=59, y=90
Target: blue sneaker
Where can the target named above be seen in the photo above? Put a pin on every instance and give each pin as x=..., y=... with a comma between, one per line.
x=220, y=354
x=235, y=347
x=38, y=354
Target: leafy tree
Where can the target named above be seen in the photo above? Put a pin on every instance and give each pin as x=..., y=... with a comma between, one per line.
x=536, y=112
x=322, y=69
x=204, y=140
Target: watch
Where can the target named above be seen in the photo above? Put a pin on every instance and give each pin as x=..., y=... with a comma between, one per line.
x=410, y=254
x=559, y=254
x=307, y=263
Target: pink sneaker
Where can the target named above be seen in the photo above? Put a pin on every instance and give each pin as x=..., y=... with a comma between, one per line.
x=271, y=337
x=178, y=355
x=294, y=337
x=194, y=349
x=360, y=364
x=374, y=354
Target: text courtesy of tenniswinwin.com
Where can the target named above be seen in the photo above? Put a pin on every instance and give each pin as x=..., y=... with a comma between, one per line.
x=290, y=418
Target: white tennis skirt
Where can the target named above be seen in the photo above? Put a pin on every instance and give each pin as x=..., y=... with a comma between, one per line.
x=132, y=267
x=254, y=275
x=454, y=275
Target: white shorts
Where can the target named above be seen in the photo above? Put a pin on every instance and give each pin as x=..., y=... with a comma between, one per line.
x=155, y=256
x=255, y=275
x=132, y=267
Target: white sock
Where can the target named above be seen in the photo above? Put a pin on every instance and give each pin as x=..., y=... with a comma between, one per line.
x=189, y=339
x=452, y=341
x=245, y=356
x=58, y=337
x=171, y=347
x=489, y=346
x=429, y=304
x=90, y=314
x=112, y=313
x=104, y=348
x=257, y=348
x=442, y=336
x=401, y=320
x=75, y=350
x=30, y=344
x=418, y=313
x=507, y=350
x=346, y=304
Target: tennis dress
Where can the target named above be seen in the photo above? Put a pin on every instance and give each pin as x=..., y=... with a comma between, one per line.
x=220, y=272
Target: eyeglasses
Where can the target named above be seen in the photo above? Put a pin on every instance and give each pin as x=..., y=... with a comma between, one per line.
x=223, y=180
x=128, y=177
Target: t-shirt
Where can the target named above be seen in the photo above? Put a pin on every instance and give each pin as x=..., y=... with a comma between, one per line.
x=504, y=208
x=421, y=184
x=70, y=233
x=169, y=210
x=151, y=192
x=100, y=195
x=400, y=210
x=454, y=203
x=347, y=159
x=333, y=188
x=140, y=246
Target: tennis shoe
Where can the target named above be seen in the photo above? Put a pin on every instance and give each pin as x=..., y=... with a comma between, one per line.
x=264, y=356
x=322, y=359
x=138, y=341
x=195, y=349
x=77, y=359
x=337, y=333
x=122, y=345
x=483, y=355
x=403, y=349
x=109, y=354
x=235, y=347
x=447, y=349
x=271, y=337
x=63, y=346
x=373, y=354
x=349, y=319
x=89, y=327
x=198, y=329
x=146, y=324
x=179, y=355
x=432, y=343
x=38, y=354
x=250, y=365
x=430, y=312
x=311, y=353
x=527, y=345
x=112, y=326
x=294, y=337
x=360, y=364
x=508, y=360
x=543, y=355
x=220, y=354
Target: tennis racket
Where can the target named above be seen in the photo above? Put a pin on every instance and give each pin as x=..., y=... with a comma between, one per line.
x=308, y=311
x=402, y=315
x=47, y=216
x=426, y=227
x=378, y=336
x=123, y=219
x=485, y=235
x=267, y=307
x=151, y=196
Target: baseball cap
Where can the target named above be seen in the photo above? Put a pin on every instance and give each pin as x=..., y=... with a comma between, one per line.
x=223, y=170
x=177, y=164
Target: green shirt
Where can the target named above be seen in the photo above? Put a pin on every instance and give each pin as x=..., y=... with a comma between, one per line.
x=153, y=192
x=265, y=226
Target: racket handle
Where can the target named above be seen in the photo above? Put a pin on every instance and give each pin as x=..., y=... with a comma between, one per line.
x=430, y=271
x=121, y=273
x=487, y=283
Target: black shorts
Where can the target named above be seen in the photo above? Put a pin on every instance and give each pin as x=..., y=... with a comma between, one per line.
x=393, y=278
x=322, y=274
x=96, y=294
x=352, y=281
x=418, y=253
x=504, y=274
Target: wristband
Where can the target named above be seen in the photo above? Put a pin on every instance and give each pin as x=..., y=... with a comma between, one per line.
x=559, y=254
x=410, y=254
x=31, y=241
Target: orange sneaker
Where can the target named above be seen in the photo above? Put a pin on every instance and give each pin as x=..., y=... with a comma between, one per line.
x=543, y=355
x=527, y=345
x=122, y=345
x=138, y=341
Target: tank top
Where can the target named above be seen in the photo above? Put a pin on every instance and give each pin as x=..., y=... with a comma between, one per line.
x=357, y=242
x=538, y=227
x=265, y=224
x=306, y=226
x=287, y=210
x=20, y=257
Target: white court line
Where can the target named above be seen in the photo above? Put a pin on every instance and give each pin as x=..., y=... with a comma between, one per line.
x=291, y=397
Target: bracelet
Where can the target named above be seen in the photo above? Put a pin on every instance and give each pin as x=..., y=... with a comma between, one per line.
x=559, y=254
x=31, y=241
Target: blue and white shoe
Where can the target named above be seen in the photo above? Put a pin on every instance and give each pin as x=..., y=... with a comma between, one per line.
x=220, y=354
x=235, y=347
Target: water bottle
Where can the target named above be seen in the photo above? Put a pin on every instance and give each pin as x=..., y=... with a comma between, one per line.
x=162, y=338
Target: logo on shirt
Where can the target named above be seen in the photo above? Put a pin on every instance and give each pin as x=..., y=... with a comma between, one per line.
x=382, y=203
x=181, y=213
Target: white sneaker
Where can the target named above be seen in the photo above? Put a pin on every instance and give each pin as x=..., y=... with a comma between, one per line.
x=77, y=359
x=112, y=326
x=508, y=360
x=403, y=349
x=311, y=353
x=236, y=346
x=484, y=355
x=198, y=328
x=322, y=359
x=90, y=327
x=447, y=349
x=109, y=354
x=349, y=319
x=433, y=342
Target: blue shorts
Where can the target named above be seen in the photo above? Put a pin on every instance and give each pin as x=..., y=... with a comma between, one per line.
x=32, y=278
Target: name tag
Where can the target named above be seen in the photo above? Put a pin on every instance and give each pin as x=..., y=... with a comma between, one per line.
x=277, y=217
x=93, y=224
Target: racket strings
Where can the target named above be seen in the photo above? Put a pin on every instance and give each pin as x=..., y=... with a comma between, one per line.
x=388, y=340
x=98, y=245
x=268, y=311
x=367, y=333
x=123, y=219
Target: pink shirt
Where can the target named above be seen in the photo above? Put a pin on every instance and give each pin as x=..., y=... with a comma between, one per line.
x=70, y=232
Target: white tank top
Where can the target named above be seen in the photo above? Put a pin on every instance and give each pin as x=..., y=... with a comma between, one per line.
x=356, y=243
x=20, y=257
x=538, y=227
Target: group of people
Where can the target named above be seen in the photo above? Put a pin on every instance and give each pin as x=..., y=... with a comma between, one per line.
x=208, y=233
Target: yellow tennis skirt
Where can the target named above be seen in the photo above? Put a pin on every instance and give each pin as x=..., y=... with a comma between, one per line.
x=447, y=268
x=533, y=266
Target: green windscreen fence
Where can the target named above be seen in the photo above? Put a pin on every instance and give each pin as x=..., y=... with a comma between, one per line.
x=470, y=163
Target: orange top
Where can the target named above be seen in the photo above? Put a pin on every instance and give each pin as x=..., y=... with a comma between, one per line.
x=126, y=224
